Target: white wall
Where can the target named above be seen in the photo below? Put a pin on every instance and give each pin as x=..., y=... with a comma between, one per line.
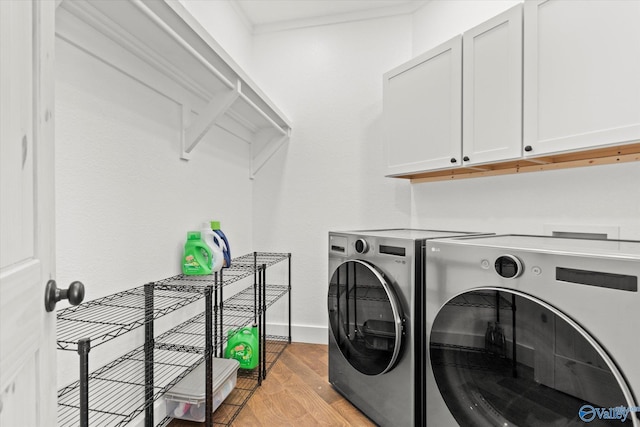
x=227, y=27
x=591, y=199
x=584, y=199
x=124, y=198
x=440, y=20
x=330, y=175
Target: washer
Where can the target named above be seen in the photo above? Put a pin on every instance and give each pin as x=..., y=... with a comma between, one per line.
x=376, y=318
x=532, y=330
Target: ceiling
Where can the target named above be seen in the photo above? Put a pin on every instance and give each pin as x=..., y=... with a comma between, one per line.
x=276, y=15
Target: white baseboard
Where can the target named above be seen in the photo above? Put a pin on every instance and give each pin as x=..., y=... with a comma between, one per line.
x=301, y=333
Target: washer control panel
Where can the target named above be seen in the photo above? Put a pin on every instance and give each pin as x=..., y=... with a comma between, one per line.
x=399, y=250
x=508, y=266
x=338, y=245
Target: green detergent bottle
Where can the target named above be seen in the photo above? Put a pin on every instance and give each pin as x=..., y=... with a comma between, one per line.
x=242, y=345
x=197, y=259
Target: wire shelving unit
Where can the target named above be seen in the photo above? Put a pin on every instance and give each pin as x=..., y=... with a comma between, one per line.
x=122, y=390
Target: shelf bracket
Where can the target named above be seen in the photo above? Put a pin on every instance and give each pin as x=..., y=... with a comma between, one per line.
x=193, y=133
x=265, y=145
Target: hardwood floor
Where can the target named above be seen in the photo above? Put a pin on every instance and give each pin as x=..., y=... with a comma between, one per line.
x=296, y=393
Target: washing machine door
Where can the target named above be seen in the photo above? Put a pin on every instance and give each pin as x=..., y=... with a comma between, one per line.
x=365, y=317
x=504, y=358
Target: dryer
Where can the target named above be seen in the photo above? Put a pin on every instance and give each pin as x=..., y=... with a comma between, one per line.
x=532, y=330
x=376, y=321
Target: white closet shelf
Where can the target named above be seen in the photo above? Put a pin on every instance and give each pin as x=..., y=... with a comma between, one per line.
x=161, y=45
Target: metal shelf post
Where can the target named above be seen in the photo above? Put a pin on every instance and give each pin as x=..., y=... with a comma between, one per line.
x=289, y=292
x=149, y=345
x=263, y=309
x=84, y=346
x=208, y=355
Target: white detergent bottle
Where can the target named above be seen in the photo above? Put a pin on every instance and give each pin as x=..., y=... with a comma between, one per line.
x=213, y=241
x=223, y=243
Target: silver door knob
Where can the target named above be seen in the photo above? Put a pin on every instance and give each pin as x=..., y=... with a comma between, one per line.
x=75, y=294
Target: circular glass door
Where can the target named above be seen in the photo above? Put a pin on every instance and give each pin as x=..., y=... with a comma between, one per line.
x=505, y=358
x=365, y=317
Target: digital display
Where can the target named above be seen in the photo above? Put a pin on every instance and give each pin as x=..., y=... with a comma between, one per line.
x=336, y=248
x=595, y=278
x=392, y=250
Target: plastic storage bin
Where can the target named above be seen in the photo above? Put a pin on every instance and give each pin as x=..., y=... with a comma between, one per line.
x=186, y=400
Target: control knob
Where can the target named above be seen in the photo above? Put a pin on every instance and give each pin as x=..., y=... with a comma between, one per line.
x=362, y=246
x=508, y=266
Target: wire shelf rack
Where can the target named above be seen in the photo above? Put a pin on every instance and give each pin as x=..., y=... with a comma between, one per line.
x=481, y=300
x=259, y=258
x=247, y=384
x=244, y=300
x=119, y=391
x=189, y=336
x=107, y=318
x=118, y=388
x=359, y=293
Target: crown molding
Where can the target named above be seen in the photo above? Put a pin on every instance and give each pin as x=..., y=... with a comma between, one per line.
x=381, y=12
x=241, y=14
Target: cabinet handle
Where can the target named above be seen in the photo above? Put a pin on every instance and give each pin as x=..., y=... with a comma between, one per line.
x=528, y=148
x=453, y=160
x=465, y=158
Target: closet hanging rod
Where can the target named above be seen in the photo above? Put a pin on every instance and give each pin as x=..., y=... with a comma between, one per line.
x=140, y=5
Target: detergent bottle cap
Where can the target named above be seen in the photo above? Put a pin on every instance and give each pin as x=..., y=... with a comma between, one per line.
x=215, y=225
x=193, y=235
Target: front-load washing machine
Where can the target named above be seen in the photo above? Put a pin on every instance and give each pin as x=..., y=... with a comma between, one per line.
x=376, y=321
x=532, y=331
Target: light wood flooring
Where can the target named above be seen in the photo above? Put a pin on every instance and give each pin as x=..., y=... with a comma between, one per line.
x=297, y=393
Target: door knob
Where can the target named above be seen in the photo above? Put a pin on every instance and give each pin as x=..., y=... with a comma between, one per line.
x=75, y=294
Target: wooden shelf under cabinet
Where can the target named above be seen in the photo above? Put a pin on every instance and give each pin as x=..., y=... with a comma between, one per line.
x=594, y=157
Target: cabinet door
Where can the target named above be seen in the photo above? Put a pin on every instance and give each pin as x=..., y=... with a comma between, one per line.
x=423, y=109
x=492, y=89
x=581, y=68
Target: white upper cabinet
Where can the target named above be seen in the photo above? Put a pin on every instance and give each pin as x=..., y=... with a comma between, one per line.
x=423, y=111
x=492, y=89
x=460, y=103
x=582, y=74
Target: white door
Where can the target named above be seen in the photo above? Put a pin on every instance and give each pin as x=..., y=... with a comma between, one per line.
x=423, y=111
x=492, y=89
x=27, y=331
